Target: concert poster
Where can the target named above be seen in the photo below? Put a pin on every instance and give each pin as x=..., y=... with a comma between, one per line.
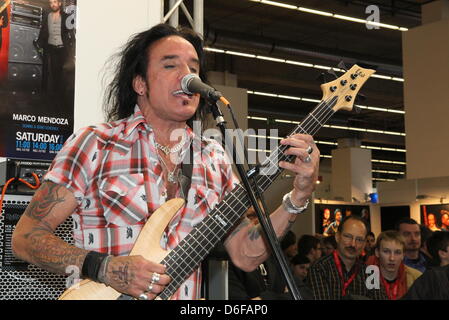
x=329, y=216
x=37, y=77
x=435, y=216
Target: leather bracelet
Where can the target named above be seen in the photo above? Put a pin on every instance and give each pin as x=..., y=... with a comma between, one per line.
x=292, y=208
x=92, y=264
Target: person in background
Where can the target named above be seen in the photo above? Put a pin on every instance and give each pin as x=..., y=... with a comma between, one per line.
x=310, y=247
x=432, y=285
x=426, y=233
x=410, y=230
x=438, y=246
x=369, y=246
x=301, y=265
x=395, y=277
x=329, y=245
x=289, y=246
x=342, y=275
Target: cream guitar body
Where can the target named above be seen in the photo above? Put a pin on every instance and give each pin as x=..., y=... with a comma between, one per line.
x=147, y=245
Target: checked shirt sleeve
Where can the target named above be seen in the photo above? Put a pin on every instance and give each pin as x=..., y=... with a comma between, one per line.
x=73, y=165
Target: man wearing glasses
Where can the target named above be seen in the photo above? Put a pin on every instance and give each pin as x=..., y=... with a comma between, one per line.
x=342, y=275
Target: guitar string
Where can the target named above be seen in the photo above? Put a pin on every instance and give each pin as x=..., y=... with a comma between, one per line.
x=233, y=193
x=175, y=284
x=318, y=124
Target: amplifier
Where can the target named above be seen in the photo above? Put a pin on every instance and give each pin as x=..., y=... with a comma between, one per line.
x=18, y=279
x=22, y=11
x=25, y=77
x=15, y=168
x=21, y=47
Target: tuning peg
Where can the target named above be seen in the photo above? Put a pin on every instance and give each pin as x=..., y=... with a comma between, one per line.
x=322, y=78
x=356, y=109
x=332, y=72
x=360, y=97
x=342, y=65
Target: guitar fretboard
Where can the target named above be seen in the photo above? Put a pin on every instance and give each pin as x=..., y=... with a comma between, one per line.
x=183, y=260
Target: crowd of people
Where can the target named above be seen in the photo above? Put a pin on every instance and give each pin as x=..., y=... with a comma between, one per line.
x=408, y=263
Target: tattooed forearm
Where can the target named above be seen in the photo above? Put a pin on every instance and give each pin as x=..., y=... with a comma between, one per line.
x=51, y=253
x=287, y=229
x=255, y=232
x=242, y=225
x=44, y=201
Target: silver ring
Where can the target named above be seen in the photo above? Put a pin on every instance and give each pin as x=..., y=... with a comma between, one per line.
x=155, y=277
x=308, y=159
x=309, y=150
x=143, y=296
x=150, y=287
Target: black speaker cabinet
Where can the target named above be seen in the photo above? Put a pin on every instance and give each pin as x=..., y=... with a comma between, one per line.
x=21, y=47
x=18, y=279
x=26, y=77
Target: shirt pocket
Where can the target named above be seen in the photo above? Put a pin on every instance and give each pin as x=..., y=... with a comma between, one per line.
x=124, y=199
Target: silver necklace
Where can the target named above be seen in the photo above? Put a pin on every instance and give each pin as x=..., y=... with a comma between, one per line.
x=168, y=150
x=172, y=176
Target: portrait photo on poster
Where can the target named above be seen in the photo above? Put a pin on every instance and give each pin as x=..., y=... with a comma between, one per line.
x=37, y=77
x=435, y=216
x=329, y=216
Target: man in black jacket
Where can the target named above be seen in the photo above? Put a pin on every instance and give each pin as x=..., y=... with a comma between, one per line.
x=432, y=285
x=55, y=42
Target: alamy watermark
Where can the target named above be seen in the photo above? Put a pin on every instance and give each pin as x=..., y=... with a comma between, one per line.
x=373, y=20
x=254, y=153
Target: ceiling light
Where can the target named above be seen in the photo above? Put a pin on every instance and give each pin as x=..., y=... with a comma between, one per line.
x=329, y=14
x=318, y=12
x=298, y=63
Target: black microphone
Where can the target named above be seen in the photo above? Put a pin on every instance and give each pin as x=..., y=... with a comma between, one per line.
x=191, y=84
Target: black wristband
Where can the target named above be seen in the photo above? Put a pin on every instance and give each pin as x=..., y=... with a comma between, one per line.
x=92, y=264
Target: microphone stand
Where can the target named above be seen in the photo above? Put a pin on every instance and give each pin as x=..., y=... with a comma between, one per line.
x=264, y=220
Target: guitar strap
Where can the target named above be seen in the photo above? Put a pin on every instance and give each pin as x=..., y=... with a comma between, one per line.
x=185, y=179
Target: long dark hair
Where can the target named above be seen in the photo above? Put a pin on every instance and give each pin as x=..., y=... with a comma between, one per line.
x=120, y=97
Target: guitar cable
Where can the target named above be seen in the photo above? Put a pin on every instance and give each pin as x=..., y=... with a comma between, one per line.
x=29, y=185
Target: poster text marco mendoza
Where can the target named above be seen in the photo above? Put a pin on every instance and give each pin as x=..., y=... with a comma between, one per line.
x=32, y=139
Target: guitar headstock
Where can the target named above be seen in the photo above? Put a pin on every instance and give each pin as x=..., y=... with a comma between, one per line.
x=346, y=87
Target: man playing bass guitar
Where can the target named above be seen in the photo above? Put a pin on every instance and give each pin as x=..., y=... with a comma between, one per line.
x=112, y=177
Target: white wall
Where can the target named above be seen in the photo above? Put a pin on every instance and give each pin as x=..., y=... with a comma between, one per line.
x=103, y=26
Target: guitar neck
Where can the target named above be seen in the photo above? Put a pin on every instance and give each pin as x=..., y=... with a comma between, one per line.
x=183, y=260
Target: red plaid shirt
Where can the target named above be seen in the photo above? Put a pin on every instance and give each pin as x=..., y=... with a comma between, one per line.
x=114, y=172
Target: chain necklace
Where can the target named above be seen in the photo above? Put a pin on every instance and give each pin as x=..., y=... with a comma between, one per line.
x=168, y=150
x=172, y=176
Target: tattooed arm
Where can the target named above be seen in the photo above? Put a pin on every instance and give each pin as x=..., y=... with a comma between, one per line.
x=34, y=241
x=245, y=245
x=33, y=238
